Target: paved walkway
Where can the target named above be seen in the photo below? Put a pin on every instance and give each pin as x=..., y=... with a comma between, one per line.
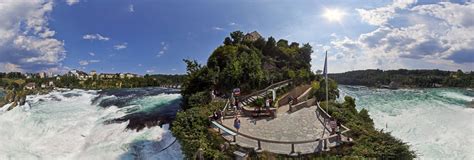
x=301, y=125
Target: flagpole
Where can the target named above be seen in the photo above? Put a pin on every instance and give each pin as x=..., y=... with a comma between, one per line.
x=327, y=96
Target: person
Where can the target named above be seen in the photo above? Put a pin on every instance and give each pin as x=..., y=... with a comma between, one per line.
x=333, y=125
x=213, y=96
x=237, y=123
x=219, y=116
x=267, y=105
x=237, y=104
x=290, y=102
x=338, y=130
x=214, y=116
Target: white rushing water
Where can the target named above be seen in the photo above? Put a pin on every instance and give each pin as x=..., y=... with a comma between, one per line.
x=65, y=125
x=436, y=122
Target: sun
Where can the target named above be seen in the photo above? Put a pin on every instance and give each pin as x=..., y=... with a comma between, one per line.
x=334, y=15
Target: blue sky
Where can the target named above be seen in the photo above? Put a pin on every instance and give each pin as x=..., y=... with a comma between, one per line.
x=153, y=36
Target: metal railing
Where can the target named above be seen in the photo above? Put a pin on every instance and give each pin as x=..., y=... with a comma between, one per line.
x=264, y=90
x=293, y=143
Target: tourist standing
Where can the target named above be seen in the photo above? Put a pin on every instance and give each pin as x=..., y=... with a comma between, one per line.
x=338, y=131
x=219, y=116
x=237, y=123
x=333, y=125
x=290, y=102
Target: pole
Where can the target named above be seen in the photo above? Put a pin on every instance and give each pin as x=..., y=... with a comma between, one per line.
x=327, y=95
x=326, y=76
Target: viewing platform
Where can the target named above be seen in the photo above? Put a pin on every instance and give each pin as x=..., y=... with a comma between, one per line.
x=302, y=131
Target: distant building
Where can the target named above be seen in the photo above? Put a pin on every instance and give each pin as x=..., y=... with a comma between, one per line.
x=253, y=36
x=128, y=75
x=28, y=75
x=30, y=86
x=42, y=75
x=51, y=83
x=78, y=74
x=43, y=85
x=107, y=75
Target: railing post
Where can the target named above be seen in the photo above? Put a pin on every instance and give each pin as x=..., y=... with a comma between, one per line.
x=259, y=148
x=234, y=140
x=325, y=143
x=292, y=153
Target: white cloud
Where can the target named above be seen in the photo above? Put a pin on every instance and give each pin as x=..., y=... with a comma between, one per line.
x=439, y=35
x=130, y=8
x=232, y=24
x=84, y=63
x=381, y=15
x=120, y=46
x=150, y=71
x=164, y=48
x=87, y=62
x=95, y=37
x=218, y=28
x=91, y=53
x=26, y=41
x=9, y=67
x=72, y=2
x=140, y=65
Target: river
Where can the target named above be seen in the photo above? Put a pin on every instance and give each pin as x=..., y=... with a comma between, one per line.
x=436, y=122
x=79, y=124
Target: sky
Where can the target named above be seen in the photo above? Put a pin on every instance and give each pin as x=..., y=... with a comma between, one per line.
x=154, y=36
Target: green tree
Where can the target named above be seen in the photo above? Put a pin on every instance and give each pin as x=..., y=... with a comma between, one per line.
x=237, y=36
x=227, y=41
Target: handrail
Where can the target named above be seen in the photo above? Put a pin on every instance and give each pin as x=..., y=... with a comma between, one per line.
x=292, y=143
x=327, y=114
x=265, y=89
x=272, y=141
x=283, y=142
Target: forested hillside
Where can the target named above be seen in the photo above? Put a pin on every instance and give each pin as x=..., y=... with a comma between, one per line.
x=406, y=78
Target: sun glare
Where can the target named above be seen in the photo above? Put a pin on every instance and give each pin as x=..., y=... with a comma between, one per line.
x=334, y=15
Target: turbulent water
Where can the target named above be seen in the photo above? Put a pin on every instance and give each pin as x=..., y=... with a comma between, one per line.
x=436, y=122
x=78, y=124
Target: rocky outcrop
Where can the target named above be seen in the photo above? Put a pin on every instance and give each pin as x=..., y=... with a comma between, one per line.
x=16, y=98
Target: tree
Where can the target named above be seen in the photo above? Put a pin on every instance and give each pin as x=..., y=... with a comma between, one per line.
x=269, y=46
x=282, y=43
x=294, y=45
x=237, y=36
x=259, y=43
x=227, y=41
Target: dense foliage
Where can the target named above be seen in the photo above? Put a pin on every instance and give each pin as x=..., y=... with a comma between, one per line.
x=191, y=128
x=406, y=78
x=319, y=89
x=255, y=64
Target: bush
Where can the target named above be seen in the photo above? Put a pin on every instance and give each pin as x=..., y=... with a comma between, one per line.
x=191, y=127
x=198, y=99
